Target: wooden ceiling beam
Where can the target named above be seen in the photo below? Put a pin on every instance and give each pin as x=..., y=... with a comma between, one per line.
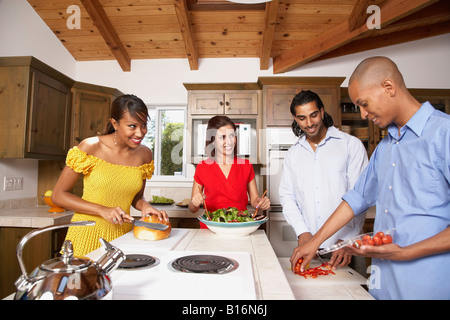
x=269, y=29
x=391, y=11
x=358, y=16
x=185, y=27
x=106, y=29
x=432, y=21
x=389, y=39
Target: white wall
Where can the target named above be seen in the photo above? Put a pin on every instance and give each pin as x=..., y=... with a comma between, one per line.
x=26, y=168
x=24, y=33
x=424, y=63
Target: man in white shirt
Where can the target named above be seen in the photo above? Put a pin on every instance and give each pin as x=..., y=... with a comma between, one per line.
x=318, y=170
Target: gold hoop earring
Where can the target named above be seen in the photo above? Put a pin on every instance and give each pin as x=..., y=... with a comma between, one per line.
x=115, y=137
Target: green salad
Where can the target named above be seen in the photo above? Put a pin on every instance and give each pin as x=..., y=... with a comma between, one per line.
x=230, y=214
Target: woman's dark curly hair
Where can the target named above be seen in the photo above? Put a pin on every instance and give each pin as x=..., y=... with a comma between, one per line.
x=304, y=97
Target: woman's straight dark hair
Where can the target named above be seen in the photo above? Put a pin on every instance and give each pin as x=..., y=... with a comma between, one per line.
x=127, y=102
x=213, y=124
x=304, y=97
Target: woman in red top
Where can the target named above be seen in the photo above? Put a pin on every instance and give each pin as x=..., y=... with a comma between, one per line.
x=224, y=180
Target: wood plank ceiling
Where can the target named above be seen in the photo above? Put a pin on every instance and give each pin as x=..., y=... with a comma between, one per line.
x=292, y=32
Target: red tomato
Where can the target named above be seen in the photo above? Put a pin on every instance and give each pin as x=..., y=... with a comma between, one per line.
x=366, y=237
x=380, y=235
x=377, y=241
x=358, y=244
x=298, y=266
x=386, y=239
x=370, y=242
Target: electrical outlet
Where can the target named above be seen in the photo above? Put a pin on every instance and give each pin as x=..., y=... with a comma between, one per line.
x=13, y=183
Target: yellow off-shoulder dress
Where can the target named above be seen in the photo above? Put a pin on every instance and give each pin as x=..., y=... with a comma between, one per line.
x=107, y=184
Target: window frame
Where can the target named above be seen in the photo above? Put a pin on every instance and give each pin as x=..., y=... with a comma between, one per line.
x=156, y=153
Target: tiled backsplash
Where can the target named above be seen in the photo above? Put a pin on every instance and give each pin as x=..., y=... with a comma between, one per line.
x=17, y=203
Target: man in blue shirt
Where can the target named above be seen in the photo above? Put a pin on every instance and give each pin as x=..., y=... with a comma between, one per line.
x=408, y=179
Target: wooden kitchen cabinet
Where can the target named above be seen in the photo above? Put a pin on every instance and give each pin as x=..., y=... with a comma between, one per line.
x=352, y=123
x=35, y=105
x=371, y=134
x=223, y=98
x=91, y=110
x=37, y=250
x=278, y=93
x=223, y=103
x=439, y=98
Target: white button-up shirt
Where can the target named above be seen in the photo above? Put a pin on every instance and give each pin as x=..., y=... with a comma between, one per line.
x=313, y=183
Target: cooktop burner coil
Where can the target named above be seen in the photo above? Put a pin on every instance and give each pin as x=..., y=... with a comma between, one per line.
x=138, y=261
x=204, y=264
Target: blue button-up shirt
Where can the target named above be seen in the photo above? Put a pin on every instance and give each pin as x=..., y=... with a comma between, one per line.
x=408, y=178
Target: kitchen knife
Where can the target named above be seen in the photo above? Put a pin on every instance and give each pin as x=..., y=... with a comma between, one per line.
x=149, y=225
x=320, y=259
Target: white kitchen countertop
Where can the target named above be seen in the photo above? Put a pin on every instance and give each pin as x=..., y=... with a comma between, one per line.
x=33, y=217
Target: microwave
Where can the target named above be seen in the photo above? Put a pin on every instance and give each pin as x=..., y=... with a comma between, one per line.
x=244, y=139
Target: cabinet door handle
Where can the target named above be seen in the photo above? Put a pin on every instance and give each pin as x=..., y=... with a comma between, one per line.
x=77, y=139
x=221, y=103
x=35, y=130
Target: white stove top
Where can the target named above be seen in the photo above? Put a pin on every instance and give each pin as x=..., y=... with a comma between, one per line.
x=162, y=282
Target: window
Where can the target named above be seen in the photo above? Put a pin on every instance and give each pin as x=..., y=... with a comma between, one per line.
x=165, y=137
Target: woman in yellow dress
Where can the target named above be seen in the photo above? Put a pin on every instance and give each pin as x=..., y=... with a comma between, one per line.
x=115, y=166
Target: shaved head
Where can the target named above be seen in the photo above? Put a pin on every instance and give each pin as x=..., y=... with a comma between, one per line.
x=374, y=70
x=377, y=88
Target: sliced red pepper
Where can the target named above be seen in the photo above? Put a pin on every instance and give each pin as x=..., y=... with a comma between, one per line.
x=315, y=272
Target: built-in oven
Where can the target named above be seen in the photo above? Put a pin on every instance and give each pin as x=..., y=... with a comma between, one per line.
x=281, y=235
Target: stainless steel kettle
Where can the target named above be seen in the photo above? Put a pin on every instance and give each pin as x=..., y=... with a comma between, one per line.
x=68, y=277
